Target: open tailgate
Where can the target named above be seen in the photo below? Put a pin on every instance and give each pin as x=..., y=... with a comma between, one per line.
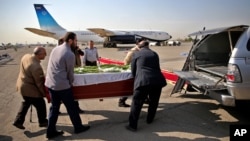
x=201, y=80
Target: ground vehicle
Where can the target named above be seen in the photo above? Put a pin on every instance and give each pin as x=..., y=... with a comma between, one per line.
x=154, y=44
x=218, y=64
x=173, y=43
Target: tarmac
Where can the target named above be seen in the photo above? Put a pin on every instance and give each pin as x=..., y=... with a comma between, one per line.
x=180, y=117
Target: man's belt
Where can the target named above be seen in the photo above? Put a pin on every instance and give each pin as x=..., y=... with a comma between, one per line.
x=91, y=61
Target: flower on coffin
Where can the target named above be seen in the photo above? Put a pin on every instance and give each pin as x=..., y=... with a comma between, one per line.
x=102, y=68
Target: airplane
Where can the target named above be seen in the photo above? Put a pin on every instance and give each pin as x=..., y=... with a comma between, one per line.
x=110, y=38
x=6, y=46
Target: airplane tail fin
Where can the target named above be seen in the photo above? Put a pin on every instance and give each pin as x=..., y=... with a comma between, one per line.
x=46, y=21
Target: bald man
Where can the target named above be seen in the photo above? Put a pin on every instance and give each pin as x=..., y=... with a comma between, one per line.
x=30, y=84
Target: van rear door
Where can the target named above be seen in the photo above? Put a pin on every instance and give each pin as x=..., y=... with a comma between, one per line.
x=205, y=77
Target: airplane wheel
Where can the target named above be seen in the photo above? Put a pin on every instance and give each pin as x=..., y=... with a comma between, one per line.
x=108, y=45
x=113, y=45
x=104, y=45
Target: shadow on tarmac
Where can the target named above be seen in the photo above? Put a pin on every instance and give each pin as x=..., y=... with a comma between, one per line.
x=194, y=118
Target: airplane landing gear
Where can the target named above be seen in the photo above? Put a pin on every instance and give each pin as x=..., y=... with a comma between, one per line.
x=109, y=44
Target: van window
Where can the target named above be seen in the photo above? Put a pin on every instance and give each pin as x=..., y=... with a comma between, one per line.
x=248, y=44
x=235, y=35
x=215, y=49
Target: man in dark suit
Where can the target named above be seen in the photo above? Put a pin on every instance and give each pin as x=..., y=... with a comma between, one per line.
x=148, y=82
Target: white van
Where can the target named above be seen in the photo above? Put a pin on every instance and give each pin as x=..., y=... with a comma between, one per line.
x=218, y=65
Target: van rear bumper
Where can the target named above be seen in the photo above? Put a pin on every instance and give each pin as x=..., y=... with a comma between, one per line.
x=239, y=91
x=222, y=97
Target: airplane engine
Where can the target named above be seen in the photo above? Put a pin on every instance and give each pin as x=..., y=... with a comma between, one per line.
x=123, y=39
x=119, y=39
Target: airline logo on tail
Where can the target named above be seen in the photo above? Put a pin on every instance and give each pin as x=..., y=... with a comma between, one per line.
x=46, y=21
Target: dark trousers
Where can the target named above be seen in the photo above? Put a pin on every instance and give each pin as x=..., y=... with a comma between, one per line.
x=140, y=94
x=39, y=104
x=66, y=97
x=123, y=99
x=77, y=105
x=88, y=63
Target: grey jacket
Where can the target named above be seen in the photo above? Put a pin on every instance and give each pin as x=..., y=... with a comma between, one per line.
x=60, y=70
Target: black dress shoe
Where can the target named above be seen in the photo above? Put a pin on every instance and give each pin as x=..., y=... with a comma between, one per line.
x=54, y=134
x=18, y=125
x=80, y=111
x=44, y=124
x=123, y=104
x=82, y=129
x=149, y=121
x=146, y=101
x=128, y=127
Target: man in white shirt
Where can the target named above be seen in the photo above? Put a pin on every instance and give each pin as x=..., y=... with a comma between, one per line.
x=91, y=55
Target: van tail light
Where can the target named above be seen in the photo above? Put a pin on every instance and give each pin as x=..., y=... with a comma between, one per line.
x=233, y=74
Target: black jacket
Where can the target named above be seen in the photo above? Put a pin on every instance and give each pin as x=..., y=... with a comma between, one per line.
x=145, y=67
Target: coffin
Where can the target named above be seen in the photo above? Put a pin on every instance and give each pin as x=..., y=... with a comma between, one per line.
x=101, y=85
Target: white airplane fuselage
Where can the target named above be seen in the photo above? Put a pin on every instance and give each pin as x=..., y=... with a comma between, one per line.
x=50, y=28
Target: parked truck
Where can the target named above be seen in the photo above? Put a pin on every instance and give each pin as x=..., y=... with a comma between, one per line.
x=218, y=65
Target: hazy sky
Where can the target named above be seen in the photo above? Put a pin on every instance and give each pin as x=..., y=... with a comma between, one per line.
x=177, y=17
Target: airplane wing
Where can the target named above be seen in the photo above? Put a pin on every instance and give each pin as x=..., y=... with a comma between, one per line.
x=106, y=33
x=146, y=38
x=102, y=32
x=41, y=32
x=151, y=39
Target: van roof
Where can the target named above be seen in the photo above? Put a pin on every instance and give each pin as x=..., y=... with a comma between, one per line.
x=218, y=30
